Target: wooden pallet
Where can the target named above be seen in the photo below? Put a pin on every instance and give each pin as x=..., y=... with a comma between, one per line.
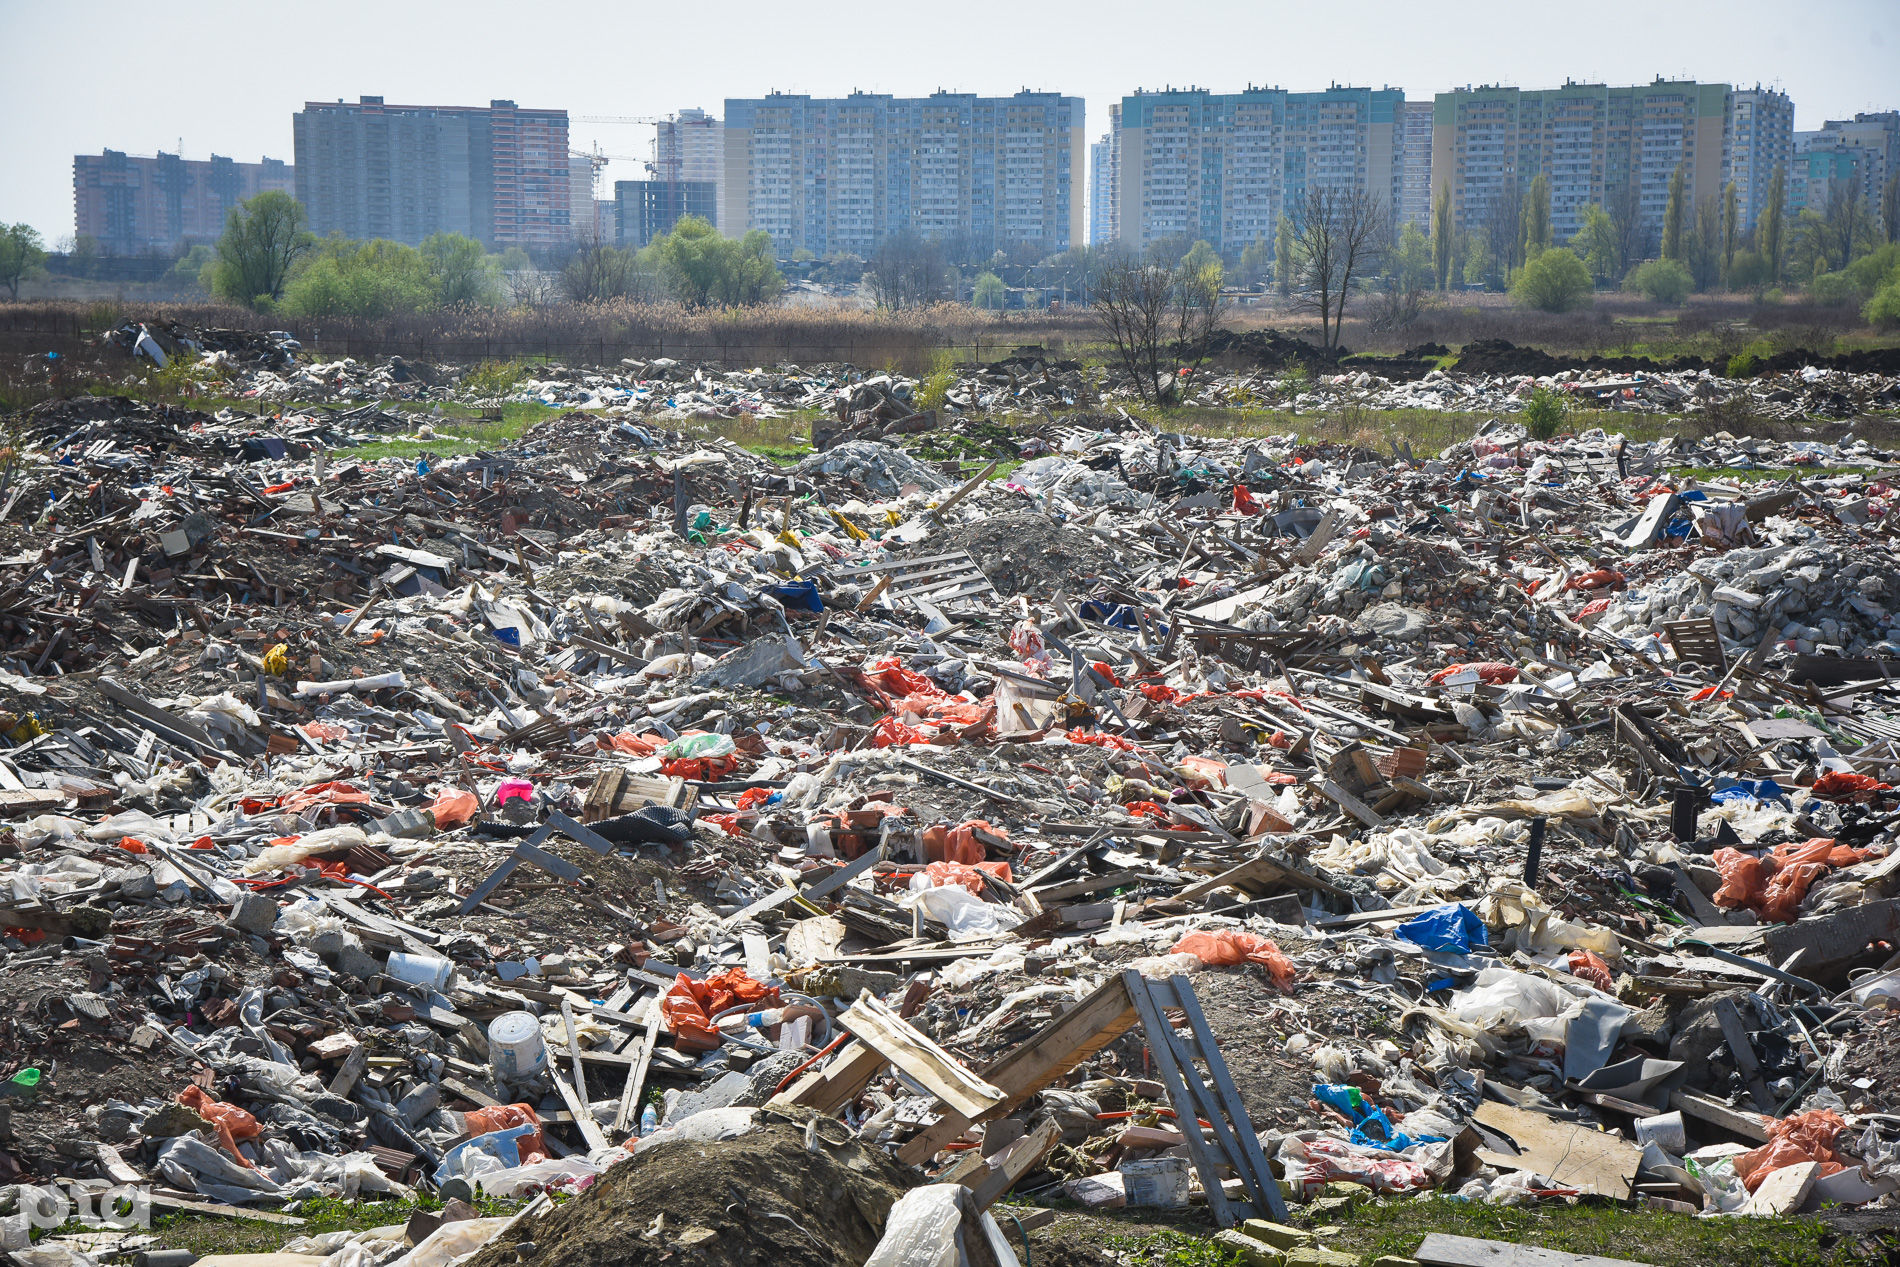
x=1697, y=641
x=935, y=578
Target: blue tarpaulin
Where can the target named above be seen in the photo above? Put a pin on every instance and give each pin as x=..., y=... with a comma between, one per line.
x=1453, y=928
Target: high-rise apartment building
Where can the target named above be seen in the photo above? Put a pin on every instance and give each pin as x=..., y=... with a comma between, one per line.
x=132, y=204
x=691, y=146
x=1104, y=161
x=1415, y=175
x=1864, y=150
x=581, y=174
x=1223, y=167
x=1757, y=138
x=497, y=173
x=980, y=174
x=648, y=209
x=1595, y=144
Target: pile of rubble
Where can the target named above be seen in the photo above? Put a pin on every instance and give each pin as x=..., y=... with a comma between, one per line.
x=835, y=851
x=1251, y=369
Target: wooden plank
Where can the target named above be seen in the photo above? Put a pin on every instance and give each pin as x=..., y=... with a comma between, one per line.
x=215, y=1209
x=831, y=883
x=353, y=1066
x=1261, y=875
x=838, y=1082
x=574, y=1052
x=1440, y=1249
x=942, y=1074
x=1351, y=804
x=1747, y=1125
x=637, y=1072
x=1021, y=1157
x=583, y=1120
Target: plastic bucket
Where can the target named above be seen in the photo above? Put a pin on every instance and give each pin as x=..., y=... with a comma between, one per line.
x=516, y=1049
x=426, y=970
x=1161, y=1183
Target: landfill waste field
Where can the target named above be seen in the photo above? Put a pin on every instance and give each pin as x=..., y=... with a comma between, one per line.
x=1027, y=827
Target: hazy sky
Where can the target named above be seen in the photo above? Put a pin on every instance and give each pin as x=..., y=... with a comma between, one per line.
x=223, y=76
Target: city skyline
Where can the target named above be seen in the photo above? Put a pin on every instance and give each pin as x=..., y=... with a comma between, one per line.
x=1833, y=66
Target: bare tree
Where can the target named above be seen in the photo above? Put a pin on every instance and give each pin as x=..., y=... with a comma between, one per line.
x=907, y=271
x=1625, y=209
x=1157, y=319
x=1341, y=234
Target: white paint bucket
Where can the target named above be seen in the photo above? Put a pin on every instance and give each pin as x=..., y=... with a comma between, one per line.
x=1161, y=1183
x=516, y=1049
x=427, y=970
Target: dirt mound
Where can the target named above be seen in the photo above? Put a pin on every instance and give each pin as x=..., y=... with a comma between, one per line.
x=1026, y=553
x=761, y=1198
x=1271, y=348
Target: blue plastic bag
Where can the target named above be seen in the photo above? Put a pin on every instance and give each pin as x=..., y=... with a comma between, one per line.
x=798, y=596
x=1750, y=789
x=1453, y=927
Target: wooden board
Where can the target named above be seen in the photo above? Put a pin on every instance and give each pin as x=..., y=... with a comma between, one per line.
x=942, y=1074
x=1570, y=1155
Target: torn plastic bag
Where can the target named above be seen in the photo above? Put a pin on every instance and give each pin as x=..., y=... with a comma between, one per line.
x=933, y=1226
x=451, y=1243
x=196, y=1166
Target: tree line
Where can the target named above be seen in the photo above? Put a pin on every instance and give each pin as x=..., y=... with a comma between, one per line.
x=268, y=260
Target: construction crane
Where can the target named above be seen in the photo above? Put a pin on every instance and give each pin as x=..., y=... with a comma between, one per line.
x=674, y=166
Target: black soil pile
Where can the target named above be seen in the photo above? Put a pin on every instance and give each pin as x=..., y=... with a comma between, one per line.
x=1270, y=349
x=764, y=1198
x=1501, y=356
x=1027, y=553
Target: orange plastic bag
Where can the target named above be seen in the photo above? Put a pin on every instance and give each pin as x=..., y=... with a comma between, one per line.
x=891, y=733
x=898, y=680
x=969, y=875
x=1804, y=1137
x=453, y=807
x=1743, y=879
x=1587, y=965
x=690, y=1005
x=963, y=846
x=1229, y=946
x=324, y=794
x=641, y=745
x=504, y=1117
x=232, y=1123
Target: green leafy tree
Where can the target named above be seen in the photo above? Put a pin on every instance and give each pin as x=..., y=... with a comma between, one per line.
x=1554, y=280
x=1200, y=256
x=1731, y=229
x=190, y=266
x=1536, y=217
x=1672, y=217
x=1883, y=310
x=1748, y=271
x=464, y=273
x=1478, y=260
x=1256, y=262
x=1702, y=246
x=264, y=238
x=702, y=269
x=21, y=255
x=1442, y=237
x=988, y=292
x=1662, y=281
x=1286, y=262
x=1599, y=243
x=371, y=279
x=1769, y=232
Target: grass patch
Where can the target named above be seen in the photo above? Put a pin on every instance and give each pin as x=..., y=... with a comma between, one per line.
x=1649, y=1236
x=457, y=431
x=204, y=1235
x=1427, y=431
x=785, y=440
